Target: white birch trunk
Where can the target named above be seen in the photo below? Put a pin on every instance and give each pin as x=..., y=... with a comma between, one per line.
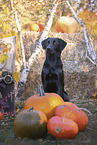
x=26, y=70
x=89, y=44
x=20, y=34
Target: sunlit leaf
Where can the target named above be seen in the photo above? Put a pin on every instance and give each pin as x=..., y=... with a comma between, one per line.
x=17, y=110
x=16, y=76
x=95, y=28
x=94, y=94
x=6, y=28
x=3, y=58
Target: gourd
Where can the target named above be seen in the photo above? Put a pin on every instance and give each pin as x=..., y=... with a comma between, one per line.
x=30, y=123
x=1, y=115
x=66, y=25
x=45, y=102
x=74, y=113
x=35, y=27
x=64, y=108
x=62, y=128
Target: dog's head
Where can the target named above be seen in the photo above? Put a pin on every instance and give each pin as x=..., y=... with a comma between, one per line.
x=53, y=45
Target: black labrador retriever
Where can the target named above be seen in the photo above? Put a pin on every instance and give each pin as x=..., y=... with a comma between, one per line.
x=52, y=71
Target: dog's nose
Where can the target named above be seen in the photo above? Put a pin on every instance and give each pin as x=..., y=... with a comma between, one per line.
x=48, y=48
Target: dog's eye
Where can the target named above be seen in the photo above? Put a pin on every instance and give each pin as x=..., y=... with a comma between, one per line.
x=54, y=42
x=48, y=42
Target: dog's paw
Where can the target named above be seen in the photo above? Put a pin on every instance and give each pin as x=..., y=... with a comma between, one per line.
x=65, y=97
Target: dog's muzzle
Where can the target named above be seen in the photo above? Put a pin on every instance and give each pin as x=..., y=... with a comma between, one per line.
x=50, y=51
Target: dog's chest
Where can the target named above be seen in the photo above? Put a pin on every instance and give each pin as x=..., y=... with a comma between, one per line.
x=51, y=70
x=51, y=60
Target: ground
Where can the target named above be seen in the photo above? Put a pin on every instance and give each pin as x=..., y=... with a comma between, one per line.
x=86, y=137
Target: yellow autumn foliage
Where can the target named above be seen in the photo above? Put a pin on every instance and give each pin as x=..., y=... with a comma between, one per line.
x=16, y=76
x=3, y=58
x=90, y=20
x=6, y=31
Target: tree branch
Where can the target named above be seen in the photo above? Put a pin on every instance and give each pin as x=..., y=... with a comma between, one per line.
x=89, y=43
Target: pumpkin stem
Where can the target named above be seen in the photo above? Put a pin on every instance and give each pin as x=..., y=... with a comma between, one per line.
x=85, y=110
x=40, y=90
x=30, y=109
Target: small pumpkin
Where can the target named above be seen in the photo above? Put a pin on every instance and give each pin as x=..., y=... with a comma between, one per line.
x=41, y=27
x=45, y=102
x=1, y=115
x=66, y=25
x=74, y=113
x=62, y=128
x=35, y=27
x=64, y=107
x=30, y=123
x=78, y=116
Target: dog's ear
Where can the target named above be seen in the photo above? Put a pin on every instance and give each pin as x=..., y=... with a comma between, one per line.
x=43, y=43
x=62, y=44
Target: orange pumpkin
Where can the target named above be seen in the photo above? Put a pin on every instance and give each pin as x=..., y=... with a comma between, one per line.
x=66, y=25
x=1, y=116
x=78, y=116
x=41, y=27
x=62, y=128
x=45, y=102
x=74, y=113
x=64, y=108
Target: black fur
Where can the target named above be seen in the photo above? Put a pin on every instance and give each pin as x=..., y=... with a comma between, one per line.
x=52, y=72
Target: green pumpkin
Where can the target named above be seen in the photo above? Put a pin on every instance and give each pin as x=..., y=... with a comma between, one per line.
x=30, y=123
